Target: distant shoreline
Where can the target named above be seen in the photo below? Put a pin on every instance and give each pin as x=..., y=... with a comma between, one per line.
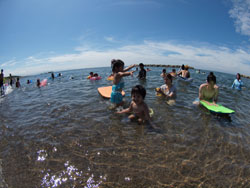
x=178, y=66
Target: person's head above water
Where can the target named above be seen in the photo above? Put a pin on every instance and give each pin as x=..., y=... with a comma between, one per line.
x=91, y=73
x=168, y=77
x=138, y=89
x=141, y=65
x=116, y=64
x=211, y=78
x=164, y=70
x=238, y=76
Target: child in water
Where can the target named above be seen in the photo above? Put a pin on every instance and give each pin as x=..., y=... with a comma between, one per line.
x=118, y=83
x=168, y=89
x=138, y=107
x=91, y=74
x=237, y=84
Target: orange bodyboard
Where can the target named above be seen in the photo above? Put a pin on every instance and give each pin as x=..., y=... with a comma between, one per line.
x=106, y=91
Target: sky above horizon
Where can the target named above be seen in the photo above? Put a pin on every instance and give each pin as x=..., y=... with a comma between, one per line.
x=54, y=35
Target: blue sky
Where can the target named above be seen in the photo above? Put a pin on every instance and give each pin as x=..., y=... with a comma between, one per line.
x=51, y=35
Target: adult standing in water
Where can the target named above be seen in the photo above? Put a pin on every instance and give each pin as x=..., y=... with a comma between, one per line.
x=11, y=80
x=237, y=84
x=18, y=83
x=209, y=91
x=52, y=76
x=1, y=82
x=184, y=73
x=143, y=73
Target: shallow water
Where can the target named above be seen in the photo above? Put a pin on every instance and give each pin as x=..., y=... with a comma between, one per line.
x=65, y=135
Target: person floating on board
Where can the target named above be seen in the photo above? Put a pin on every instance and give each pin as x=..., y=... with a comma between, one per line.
x=209, y=91
x=142, y=73
x=237, y=84
x=118, y=83
x=138, y=107
x=1, y=82
x=168, y=89
x=163, y=74
x=18, y=83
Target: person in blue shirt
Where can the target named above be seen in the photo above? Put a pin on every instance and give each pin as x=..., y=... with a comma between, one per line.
x=237, y=84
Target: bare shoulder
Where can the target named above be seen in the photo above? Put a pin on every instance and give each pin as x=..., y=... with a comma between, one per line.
x=203, y=85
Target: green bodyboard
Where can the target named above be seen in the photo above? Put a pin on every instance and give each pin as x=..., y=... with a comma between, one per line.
x=217, y=109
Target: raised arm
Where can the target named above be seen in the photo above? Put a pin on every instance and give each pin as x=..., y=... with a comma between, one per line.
x=128, y=68
x=121, y=74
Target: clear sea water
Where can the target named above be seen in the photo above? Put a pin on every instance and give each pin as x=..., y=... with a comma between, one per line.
x=65, y=135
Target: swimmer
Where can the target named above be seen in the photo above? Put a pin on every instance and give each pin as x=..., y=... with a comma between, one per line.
x=163, y=74
x=91, y=74
x=18, y=83
x=173, y=73
x=237, y=84
x=11, y=80
x=209, y=91
x=142, y=73
x=52, y=76
x=38, y=83
x=118, y=83
x=168, y=89
x=1, y=82
x=138, y=107
x=184, y=73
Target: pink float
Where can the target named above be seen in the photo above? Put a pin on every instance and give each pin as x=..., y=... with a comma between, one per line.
x=44, y=82
x=96, y=78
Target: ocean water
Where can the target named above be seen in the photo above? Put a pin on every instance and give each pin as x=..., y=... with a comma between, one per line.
x=66, y=135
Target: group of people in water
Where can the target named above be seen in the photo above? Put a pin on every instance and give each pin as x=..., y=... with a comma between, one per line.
x=11, y=82
x=138, y=108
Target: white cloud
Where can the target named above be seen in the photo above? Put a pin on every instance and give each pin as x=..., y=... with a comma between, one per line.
x=9, y=63
x=109, y=39
x=240, y=12
x=214, y=58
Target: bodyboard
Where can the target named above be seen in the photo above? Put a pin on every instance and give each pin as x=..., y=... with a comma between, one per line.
x=105, y=92
x=217, y=109
x=110, y=78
